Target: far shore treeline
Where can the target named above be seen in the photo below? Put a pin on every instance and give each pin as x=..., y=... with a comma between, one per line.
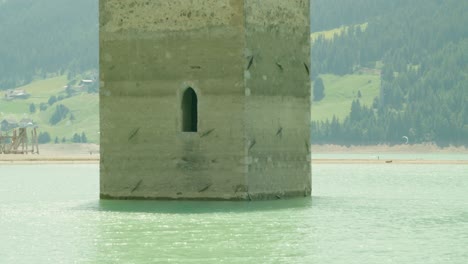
x=413, y=55
x=421, y=49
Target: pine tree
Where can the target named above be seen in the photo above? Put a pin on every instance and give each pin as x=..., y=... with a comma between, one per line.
x=32, y=108
x=319, y=89
x=84, y=139
x=43, y=138
x=52, y=100
x=76, y=138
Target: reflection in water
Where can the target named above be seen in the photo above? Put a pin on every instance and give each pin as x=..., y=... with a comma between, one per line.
x=200, y=207
x=202, y=231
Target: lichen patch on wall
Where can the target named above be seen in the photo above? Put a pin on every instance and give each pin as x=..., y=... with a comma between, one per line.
x=175, y=15
x=283, y=13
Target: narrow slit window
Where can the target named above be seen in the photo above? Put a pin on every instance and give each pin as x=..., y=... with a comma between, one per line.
x=189, y=111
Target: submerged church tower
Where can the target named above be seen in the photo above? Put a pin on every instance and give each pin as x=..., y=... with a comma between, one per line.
x=204, y=99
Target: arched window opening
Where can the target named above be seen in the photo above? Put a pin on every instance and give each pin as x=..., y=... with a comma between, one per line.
x=189, y=111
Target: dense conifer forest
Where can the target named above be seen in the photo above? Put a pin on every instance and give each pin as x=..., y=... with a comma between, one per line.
x=421, y=48
x=46, y=38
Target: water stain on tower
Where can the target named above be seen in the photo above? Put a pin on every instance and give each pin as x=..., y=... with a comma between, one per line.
x=204, y=99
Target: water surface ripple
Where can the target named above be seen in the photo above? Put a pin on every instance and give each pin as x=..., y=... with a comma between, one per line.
x=358, y=214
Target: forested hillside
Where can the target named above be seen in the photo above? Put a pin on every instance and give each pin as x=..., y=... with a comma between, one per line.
x=329, y=14
x=421, y=48
x=54, y=45
x=403, y=62
x=46, y=38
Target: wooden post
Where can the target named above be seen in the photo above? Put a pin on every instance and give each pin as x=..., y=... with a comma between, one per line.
x=32, y=141
x=24, y=140
x=37, y=140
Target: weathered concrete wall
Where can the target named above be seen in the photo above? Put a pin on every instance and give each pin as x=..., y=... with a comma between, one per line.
x=277, y=98
x=245, y=60
x=151, y=51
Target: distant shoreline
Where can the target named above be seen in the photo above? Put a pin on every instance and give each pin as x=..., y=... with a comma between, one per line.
x=42, y=160
x=386, y=149
x=388, y=161
x=57, y=154
x=89, y=154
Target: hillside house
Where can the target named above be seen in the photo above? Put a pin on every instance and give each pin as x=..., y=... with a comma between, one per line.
x=16, y=94
x=26, y=122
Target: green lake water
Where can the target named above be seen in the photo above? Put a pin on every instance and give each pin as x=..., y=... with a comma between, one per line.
x=358, y=214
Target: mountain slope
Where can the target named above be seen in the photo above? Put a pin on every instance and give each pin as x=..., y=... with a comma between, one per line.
x=421, y=49
x=83, y=106
x=47, y=36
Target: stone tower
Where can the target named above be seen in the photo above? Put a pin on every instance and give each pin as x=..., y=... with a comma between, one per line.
x=205, y=99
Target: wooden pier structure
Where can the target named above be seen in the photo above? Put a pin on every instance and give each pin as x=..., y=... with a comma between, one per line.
x=19, y=142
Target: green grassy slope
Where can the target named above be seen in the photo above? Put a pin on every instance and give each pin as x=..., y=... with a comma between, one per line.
x=40, y=92
x=84, y=106
x=340, y=91
x=330, y=34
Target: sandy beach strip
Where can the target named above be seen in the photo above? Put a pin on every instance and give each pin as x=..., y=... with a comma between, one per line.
x=43, y=159
x=381, y=149
x=388, y=162
x=94, y=159
x=89, y=154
